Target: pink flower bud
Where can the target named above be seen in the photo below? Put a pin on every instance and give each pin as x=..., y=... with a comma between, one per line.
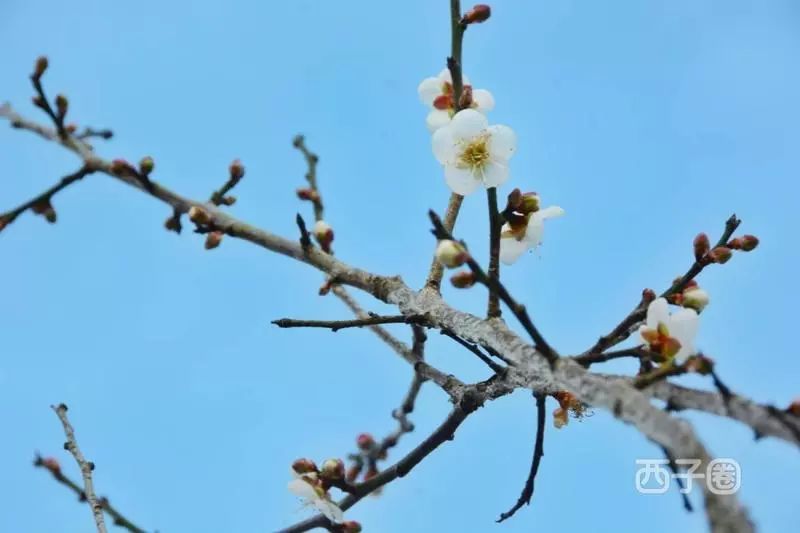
x=479, y=13
x=749, y=243
x=701, y=246
x=304, y=466
x=463, y=280
x=720, y=254
x=365, y=442
x=213, y=239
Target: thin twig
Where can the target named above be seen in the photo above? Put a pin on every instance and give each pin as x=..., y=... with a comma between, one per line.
x=624, y=329
x=311, y=176
x=493, y=307
x=86, y=467
x=89, y=133
x=517, y=309
x=687, y=504
x=538, y=453
x=336, y=325
x=116, y=516
x=588, y=359
x=496, y=368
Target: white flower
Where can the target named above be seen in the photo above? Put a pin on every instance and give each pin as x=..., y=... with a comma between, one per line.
x=671, y=335
x=514, y=243
x=437, y=93
x=473, y=152
x=306, y=486
x=450, y=253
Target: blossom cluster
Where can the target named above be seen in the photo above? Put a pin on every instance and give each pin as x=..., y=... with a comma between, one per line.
x=474, y=153
x=312, y=484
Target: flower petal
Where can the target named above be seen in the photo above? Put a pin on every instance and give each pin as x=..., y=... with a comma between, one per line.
x=503, y=142
x=535, y=229
x=436, y=119
x=301, y=488
x=444, y=146
x=511, y=249
x=329, y=509
x=483, y=99
x=468, y=124
x=429, y=89
x=495, y=173
x=460, y=180
x=683, y=326
x=657, y=311
x=550, y=212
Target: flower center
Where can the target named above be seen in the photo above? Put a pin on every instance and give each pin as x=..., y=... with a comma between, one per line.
x=476, y=154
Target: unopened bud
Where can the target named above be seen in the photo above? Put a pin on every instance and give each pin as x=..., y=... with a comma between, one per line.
x=45, y=208
x=120, y=167
x=530, y=203
x=794, y=408
x=351, y=526
x=365, y=442
x=173, y=223
x=51, y=464
x=451, y=254
x=479, y=13
x=720, y=255
x=146, y=165
x=514, y=200
x=198, y=215
x=304, y=466
x=236, y=170
x=62, y=104
x=332, y=470
x=560, y=417
x=229, y=200
x=648, y=295
x=213, y=239
x=701, y=246
x=308, y=194
x=749, y=243
x=735, y=244
x=463, y=280
x=465, y=102
x=40, y=68
x=695, y=298
x=700, y=364
x=323, y=233
x=38, y=102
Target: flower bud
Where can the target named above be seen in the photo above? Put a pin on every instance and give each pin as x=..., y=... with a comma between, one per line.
x=365, y=442
x=38, y=102
x=304, y=466
x=332, y=470
x=40, y=68
x=451, y=254
x=173, y=223
x=213, y=239
x=720, y=254
x=701, y=246
x=308, y=194
x=465, y=102
x=749, y=243
x=45, y=208
x=530, y=203
x=146, y=165
x=120, y=167
x=479, y=13
x=794, y=408
x=735, y=244
x=198, y=215
x=463, y=280
x=51, y=464
x=351, y=526
x=695, y=298
x=648, y=295
x=700, y=364
x=71, y=128
x=236, y=170
x=62, y=104
x=323, y=233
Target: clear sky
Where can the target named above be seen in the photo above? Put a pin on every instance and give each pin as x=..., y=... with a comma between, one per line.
x=646, y=121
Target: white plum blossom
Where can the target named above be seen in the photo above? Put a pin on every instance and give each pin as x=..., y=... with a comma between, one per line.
x=695, y=298
x=307, y=487
x=515, y=242
x=671, y=335
x=437, y=93
x=472, y=152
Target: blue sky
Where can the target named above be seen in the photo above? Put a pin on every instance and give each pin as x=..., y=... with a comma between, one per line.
x=646, y=121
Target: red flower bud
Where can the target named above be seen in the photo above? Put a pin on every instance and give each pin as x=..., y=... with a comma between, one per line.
x=701, y=246
x=463, y=280
x=720, y=255
x=479, y=13
x=365, y=442
x=351, y=526
x=236, y=170
x=794, y=408
x=52, y=465
x=749, y=243
x=213, y=239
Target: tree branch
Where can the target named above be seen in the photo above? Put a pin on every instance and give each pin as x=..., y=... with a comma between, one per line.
x=85, y=466
x=336, y=325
